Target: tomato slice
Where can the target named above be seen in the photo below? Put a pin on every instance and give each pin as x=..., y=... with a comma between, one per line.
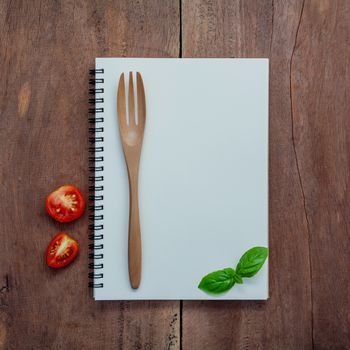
x=65, y=204
x=61, y=251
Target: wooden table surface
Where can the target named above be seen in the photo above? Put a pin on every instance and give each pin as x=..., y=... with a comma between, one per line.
x=46, y=51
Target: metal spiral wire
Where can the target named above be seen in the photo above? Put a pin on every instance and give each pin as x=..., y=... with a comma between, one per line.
x=96, y=177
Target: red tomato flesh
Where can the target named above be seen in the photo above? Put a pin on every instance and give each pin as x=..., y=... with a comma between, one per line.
x=65, y=204
x=61, y=251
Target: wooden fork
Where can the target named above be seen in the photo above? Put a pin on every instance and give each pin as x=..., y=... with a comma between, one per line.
x=131, y=137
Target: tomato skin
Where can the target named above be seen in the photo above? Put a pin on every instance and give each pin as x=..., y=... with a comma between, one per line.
x=61, y=251
x=65, y=204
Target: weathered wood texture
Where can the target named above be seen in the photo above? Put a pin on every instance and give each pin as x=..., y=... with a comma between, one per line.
x=46, y=50
x=308, y=46
x=320, y=81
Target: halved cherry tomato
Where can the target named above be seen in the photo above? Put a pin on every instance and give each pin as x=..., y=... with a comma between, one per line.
x=61, y=251
x=65, y=204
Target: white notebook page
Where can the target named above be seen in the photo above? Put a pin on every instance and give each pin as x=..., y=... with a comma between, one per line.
x=203, y=187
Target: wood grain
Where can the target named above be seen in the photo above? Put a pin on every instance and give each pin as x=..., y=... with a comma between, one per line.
x=259, y=29
x=46, y=51
x=320, y=81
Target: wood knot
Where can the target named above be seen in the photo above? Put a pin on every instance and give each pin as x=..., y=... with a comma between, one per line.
x=23, y=99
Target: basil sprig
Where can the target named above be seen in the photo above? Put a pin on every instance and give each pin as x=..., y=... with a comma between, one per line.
x=249, y=264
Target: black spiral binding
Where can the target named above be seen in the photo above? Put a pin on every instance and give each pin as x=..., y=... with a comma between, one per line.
x=96, y=178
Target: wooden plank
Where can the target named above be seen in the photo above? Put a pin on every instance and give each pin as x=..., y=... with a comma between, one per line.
x=259, y=29
x=46, y=50
x=320, y=95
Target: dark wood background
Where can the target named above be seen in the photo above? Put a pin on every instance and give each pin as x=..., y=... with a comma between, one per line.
x=46, y=50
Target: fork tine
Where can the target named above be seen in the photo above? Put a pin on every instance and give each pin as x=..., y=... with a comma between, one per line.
x=141, y=101
x=131, y=101
x=121, y=107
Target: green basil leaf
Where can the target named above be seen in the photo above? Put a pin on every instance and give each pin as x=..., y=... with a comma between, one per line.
x=218, y=281
x=252, y=261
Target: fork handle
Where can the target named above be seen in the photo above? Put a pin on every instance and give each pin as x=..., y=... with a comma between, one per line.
x=134, y=245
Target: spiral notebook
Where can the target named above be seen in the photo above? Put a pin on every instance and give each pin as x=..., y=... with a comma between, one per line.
x=203, y=184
